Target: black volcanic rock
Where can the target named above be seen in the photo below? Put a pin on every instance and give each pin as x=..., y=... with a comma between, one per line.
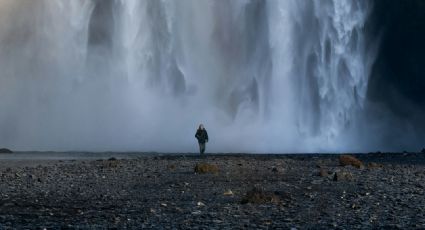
x=343, y=176
x=140, y=193
x=4, y=150
x=398, y=73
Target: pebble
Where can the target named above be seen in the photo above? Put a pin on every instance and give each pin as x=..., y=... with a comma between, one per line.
x=144, y=192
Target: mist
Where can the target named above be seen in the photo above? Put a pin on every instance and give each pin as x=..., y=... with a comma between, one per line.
x=129, y=75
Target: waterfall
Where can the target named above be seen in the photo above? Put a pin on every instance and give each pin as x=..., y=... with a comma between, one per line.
x=333, y=64
x=263, y=76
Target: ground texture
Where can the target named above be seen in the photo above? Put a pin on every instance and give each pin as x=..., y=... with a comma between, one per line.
x=242, y=191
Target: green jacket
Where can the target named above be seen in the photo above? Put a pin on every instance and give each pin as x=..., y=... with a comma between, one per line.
x=201, y=135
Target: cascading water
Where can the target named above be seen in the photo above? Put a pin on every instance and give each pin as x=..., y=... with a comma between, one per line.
x=263, y=76
x=333, y=66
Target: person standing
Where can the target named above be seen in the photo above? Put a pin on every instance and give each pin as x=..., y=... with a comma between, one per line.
x=202, y=136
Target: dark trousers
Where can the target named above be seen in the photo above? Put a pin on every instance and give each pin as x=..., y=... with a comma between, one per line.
x=202, y=148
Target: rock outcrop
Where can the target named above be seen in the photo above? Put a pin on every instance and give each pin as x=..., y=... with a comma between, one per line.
x=4, y=150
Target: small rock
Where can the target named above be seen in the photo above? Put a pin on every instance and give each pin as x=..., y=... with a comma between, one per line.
x=228, y=193
x=275, y=170
x=112, y=159
x=200, y=204
x=354, y=206
x=317, y=181
x=423, y=150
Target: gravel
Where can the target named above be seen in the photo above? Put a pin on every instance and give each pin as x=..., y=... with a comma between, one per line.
x=164, y=192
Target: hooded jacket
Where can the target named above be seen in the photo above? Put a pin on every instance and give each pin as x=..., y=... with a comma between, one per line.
x=201, y=135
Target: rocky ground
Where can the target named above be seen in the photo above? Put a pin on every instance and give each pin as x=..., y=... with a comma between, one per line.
x=164, y=192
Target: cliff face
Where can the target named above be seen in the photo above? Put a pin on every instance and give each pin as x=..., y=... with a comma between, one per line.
x=398, y=77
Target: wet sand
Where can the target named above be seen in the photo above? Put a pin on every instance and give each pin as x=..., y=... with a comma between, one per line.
x=162, y=191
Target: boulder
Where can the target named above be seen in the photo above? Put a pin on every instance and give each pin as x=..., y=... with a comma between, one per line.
x=171, y=166
x=258, y=195
x=373, y=165
x=202, y=168
x=342, y=176
x=275, y=170
x=423, y=151
x=110, y=163
x=4, y=150
x=345, y=160
x=323, y=173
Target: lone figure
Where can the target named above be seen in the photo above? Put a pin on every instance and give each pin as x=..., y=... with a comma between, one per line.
x=202, y=136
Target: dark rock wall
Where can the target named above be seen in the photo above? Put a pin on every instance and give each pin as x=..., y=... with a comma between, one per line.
x=398, y=78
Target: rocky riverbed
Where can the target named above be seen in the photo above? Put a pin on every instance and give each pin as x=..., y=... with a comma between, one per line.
x=242, y=191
